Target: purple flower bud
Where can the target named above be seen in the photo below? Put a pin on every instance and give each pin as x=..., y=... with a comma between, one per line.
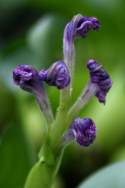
x=83, y=130
x=86, y=24
x=27, y=78
x=100, y=78
x=80, y=26
x=57, y=75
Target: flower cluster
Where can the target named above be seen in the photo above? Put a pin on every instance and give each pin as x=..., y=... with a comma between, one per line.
x=83, y=130
x=30, y=79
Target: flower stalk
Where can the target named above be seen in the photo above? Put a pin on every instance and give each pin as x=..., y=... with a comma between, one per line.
x=44, y=104
x=82, y=100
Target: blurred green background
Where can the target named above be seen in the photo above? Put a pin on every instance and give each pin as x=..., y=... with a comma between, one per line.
x=31, y=33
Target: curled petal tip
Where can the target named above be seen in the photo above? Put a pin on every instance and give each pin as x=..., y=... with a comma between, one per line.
x=26, y=77
x=85, y=24
x=100, y=78
x=58, y=75
x=80, y=26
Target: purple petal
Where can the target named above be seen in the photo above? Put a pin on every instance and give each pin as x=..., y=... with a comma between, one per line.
x=101, y=78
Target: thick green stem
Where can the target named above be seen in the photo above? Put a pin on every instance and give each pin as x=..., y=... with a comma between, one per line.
x=59, y=125
x=40, y=176
x=44, y=172
x=82, y=100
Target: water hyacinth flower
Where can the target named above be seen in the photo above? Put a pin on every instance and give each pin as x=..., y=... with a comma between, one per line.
x=99, y=85
x=83, y=130
x=100, y=78
x=79, y=26
x=86, y=24
x=27, y=78
x=57, y=75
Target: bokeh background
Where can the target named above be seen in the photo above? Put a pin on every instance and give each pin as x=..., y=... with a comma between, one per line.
x=31, y=33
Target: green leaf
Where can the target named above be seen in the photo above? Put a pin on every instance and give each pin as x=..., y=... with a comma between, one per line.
x=112, y=176
x=39, y=177
x=15, y=160
x=42, y=173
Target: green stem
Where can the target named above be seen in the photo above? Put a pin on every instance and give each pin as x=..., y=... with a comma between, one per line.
x=59, y=160
x=59, y=125
x=44, y=172
x=82, y=100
